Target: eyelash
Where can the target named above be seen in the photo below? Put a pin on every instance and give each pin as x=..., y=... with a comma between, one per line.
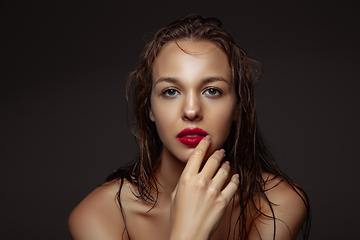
x=167, y=91
x=175, y=92
x=218, y=91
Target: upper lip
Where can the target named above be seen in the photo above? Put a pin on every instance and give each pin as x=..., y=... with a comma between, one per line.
x=192, y=131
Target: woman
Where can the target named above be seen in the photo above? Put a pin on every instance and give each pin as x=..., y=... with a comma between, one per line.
x=203, y=170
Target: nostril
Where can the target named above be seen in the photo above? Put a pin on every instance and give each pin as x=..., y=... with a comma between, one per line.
x=192, y=108
x=191, y=114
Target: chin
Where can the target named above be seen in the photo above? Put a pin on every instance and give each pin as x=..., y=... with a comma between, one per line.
x=184, y=156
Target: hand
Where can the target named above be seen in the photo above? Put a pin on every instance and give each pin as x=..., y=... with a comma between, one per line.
x=198, y=201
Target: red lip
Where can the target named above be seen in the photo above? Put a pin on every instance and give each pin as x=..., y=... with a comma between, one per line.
x=191, y=140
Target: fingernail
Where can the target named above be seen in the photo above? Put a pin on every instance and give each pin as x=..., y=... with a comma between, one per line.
x=227, y=162
x=222, y=150
x=237, y=175
x=208, y=137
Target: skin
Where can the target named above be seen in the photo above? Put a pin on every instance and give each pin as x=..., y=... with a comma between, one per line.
x=192, y=203
x=190, y=89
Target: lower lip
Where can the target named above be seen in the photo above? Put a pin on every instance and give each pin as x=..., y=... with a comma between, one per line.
x=191, y=141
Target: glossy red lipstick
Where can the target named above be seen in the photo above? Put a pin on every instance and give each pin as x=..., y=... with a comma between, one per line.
x=191, y=136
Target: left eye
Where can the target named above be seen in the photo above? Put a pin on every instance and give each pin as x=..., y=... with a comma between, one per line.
x=212, y=91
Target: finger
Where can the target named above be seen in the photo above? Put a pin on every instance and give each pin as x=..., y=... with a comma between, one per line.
x=213, y=163
x=231, y=188
x=221, y=175
x=197, y=156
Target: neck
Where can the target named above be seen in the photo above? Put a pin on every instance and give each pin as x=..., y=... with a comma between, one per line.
x=169, y=172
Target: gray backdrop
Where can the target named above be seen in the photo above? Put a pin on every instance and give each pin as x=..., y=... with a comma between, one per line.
x=63, y=122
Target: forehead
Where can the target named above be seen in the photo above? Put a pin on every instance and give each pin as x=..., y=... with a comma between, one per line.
x=182, y=57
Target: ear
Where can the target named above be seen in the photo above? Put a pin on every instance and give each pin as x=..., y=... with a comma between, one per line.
x=151, y=115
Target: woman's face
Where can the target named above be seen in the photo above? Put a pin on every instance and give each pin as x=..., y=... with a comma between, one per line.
x=192, y=96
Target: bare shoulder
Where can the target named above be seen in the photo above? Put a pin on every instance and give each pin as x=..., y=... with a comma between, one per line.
x=98, y=216
x=287, y=207
x=284, y=195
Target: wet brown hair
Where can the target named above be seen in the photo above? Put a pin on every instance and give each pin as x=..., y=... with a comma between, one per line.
x=246, y=150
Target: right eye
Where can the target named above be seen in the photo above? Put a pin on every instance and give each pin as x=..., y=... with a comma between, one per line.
x=170, y=92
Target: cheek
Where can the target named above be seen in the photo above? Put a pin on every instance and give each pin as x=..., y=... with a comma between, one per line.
x=221, y=124
x=164, y=118
x=224, y=126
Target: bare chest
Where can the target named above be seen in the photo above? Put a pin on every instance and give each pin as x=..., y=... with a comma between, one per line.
x=144, y=222
x=155, y=224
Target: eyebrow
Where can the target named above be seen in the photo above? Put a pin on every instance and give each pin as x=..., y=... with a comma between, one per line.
x=204, y=81
x=215, y=79
x=166, y=79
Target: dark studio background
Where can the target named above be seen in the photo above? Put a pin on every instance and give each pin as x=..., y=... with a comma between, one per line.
x=63, y=122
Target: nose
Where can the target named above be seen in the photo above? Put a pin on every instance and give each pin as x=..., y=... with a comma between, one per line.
x=192, y=110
